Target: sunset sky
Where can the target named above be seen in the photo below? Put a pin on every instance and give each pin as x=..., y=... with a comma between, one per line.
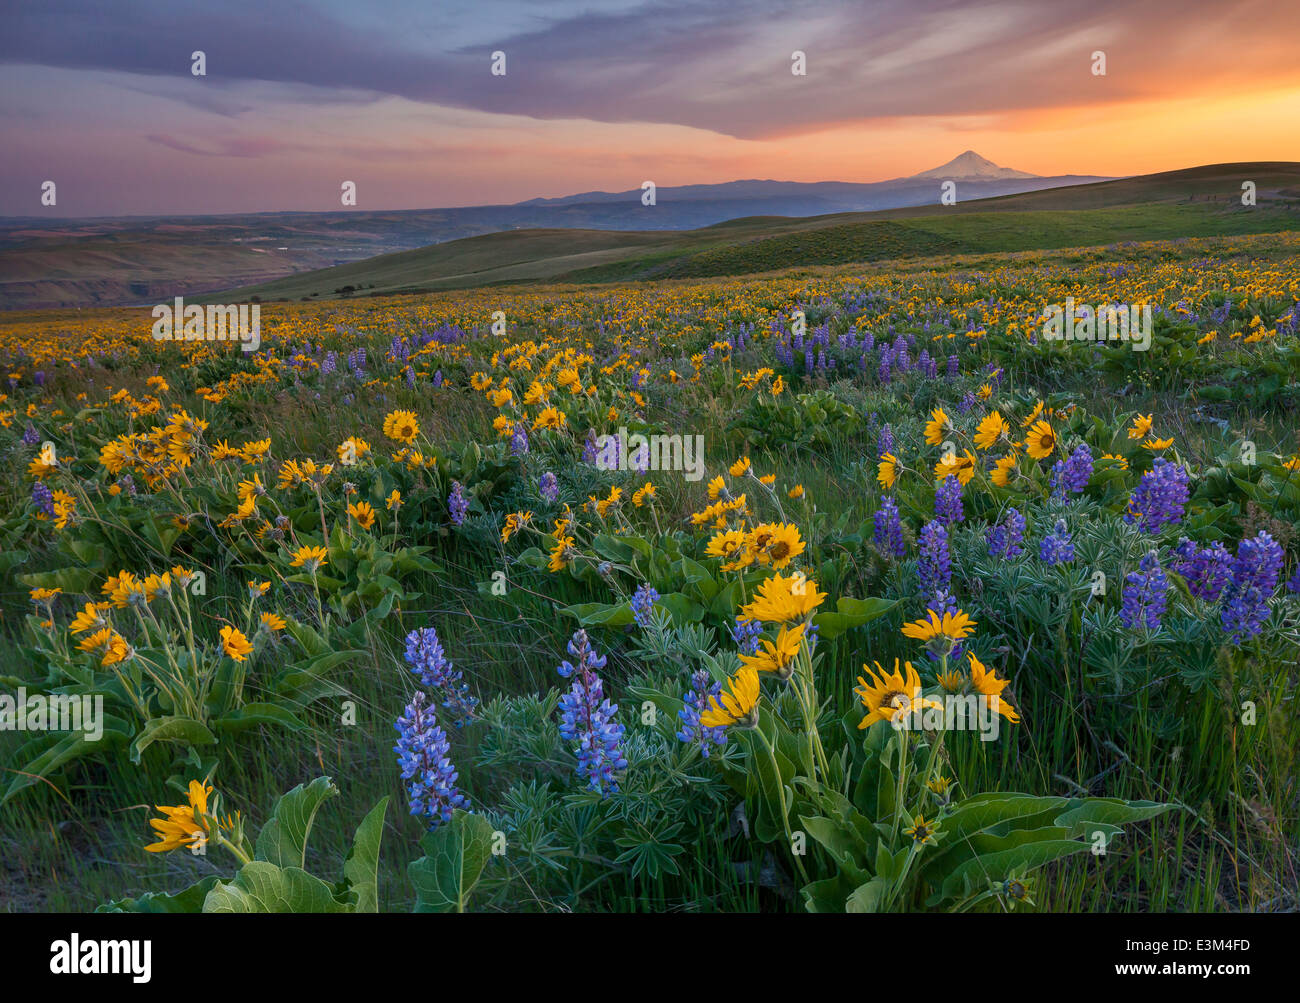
x=399, y=97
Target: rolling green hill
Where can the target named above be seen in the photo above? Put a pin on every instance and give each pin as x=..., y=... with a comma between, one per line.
x=1202, y=201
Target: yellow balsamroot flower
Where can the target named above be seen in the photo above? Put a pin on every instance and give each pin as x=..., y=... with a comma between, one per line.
x=718, y=488
x=235, y=644
x=1207, y=338
x=985, y=391
x=1141, y=426
x=776, y=544
x=273, y=621
x=185, y=824
x=891, y=695
x=251, y=489
x=986, y=683
x=1032, y=416
x=251, y=452
x=990, y=430
x=480, y=381
x=737, y=704
x=778, y=386
x=1041, y=440
x=1002, y=469
x=777, y=657
x=610, y=501
x=550, y=417
x=962, y=466
x=120, y=588
x=1293, y=463
x=258, y=589
x=1155, y=445
x=643, y=494
x=309, y=557
x=225, y=451
x=921, y=831
x=795, y=492
x=562, y=554
x=887, y=471
x=363, y=513
x=352, y=450
x=783, y=599
x=44, y=595
x=90, y=618
x=1123, y=463
x=394, y=501
x=117, y=651
x=402, y=426
x=515, y=521
x=940, y=634
x=740, y=467
x=725, y=544
x=938, y=424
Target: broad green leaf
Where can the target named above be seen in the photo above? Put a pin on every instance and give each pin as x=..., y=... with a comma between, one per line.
x=283, y=840
x=455, y=855
x=361, y=867
x=262, y=887
x=176, y=728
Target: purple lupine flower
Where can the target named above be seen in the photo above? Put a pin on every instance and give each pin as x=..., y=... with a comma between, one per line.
x=885, y=441
x=952, y=367
x=410, y=377
x=1071, y=476
x=587, y=718
x=589, y=449
x=457, y=503
x=696, y=702
x=1057, y=546
x=549, y=487
x=30, y=436
x=1255, y=572
x=1004, y=538
x=429, y=662
x=437, y=378
x=1206, y=569
x=746, y=633
x=947, y=502
x=1293, y=583
x=1160, y=496
x=329, y=364
x=934, y=566
x=1146, y=594
x=43, y=498
x=519, y=440
x=643, y=601
x=423, y=754
x=889, y=527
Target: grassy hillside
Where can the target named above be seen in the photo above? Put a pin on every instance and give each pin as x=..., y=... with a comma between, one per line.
x=1199, y=202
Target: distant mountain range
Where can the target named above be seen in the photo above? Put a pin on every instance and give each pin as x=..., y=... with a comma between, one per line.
x=976, y=176
x=46, y=262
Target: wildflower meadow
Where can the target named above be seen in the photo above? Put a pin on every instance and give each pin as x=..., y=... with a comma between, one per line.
x=432, y=604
